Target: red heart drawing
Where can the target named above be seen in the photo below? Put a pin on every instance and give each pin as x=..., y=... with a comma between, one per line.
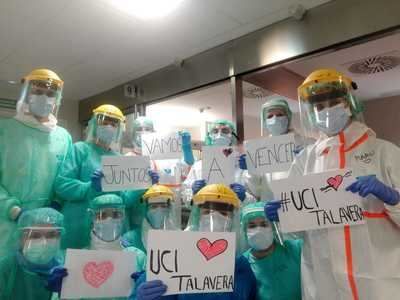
x=96, y=274
x=227, y=151
x=211, y=250
x=335, y=182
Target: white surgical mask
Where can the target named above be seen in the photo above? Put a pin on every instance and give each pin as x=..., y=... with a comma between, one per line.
x=108, y=230
x=277, y=125
x=157, y=217
x=215, y=222
x=41, y=251
x=106, y=133
x=260, y=238
x=222, y=140
x=41, y=105
x=332, y=120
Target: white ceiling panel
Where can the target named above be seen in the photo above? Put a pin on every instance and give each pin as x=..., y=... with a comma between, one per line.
x=94, y=46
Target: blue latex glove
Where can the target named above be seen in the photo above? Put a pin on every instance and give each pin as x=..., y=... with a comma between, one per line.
x=271, y=210
x=55, y=278
x=365, y=185
x=96, y=180
x=240, y=190
x=155, y=178
x=198, y=185
x=242, y=162
x=151, y=290
x=187, y=148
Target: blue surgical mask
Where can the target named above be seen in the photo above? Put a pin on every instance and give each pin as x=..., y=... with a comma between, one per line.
x=41, y=251
x=41, y=105
x=277, y=125
x=222, y=140
x=260, y=238
x=332, y=120
x=157, y=216
x=108, y=230
x=106, y=133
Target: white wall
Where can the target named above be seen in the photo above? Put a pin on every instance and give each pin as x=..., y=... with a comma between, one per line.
x=68, y=118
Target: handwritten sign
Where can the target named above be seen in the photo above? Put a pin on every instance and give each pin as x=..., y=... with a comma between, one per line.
x=162, y=146
x=192, y=262
x=98, y=274
x=272, y=154
x=125, y=173
x=317, y=201
x=218, y=164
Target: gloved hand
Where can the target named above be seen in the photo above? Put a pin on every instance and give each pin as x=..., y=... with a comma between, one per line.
x=155, y=178
x=365, y=185
x=271, y=210
x=198, y=185
x=242, y=162
x=240, y=190
x=55, y=278
x=151, y=290
x=187, y=147
x=96, y=180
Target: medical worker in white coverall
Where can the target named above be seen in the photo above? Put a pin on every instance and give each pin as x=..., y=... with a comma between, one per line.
x=360, y=262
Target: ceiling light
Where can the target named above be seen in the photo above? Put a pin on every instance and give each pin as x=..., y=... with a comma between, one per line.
x=147, y=9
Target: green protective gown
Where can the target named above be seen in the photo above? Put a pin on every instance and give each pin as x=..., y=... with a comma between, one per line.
x=278, y=274
x=73, y=186
x=29, y=162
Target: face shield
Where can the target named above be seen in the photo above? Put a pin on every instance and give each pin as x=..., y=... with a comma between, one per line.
x=139, y=132
x=275, y=121
x=216, y=217
x=327, y=107
x=40, y=245
x=108, y=223
x=106, y=131
x=40, y=98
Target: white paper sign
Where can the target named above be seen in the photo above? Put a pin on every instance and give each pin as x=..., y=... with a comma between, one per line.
x=159, y=146
x=125, y=173
x=317, y=201
x=272, y=154
x=192, y=262
x=98, y=274
x=218, y=164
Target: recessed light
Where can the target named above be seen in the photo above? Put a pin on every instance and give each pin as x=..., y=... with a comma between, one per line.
x=147, y=9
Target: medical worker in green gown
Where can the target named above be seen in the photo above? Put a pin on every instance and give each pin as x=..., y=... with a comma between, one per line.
x=32, y=149
x=80, y=178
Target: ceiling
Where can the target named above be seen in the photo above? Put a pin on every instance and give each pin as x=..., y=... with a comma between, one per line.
x=94, y=46
x=370, y=86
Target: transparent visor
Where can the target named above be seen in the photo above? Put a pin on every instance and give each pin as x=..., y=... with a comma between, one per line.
x=216, y=217
x=108, y=130
x=40, y=245
x=40, y=98
x=108, y=224
x=257, y=223
x=319, y=97
x=158, y=214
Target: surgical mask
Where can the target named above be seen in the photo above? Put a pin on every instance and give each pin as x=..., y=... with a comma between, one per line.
x=332, y=120
x=215, y=222
x=222, y=140
x=106, y=133
x=277, y=125
x=157, y=216
x=260, y=238
x=108, y=230
x=41, y=105
x=41, y=251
